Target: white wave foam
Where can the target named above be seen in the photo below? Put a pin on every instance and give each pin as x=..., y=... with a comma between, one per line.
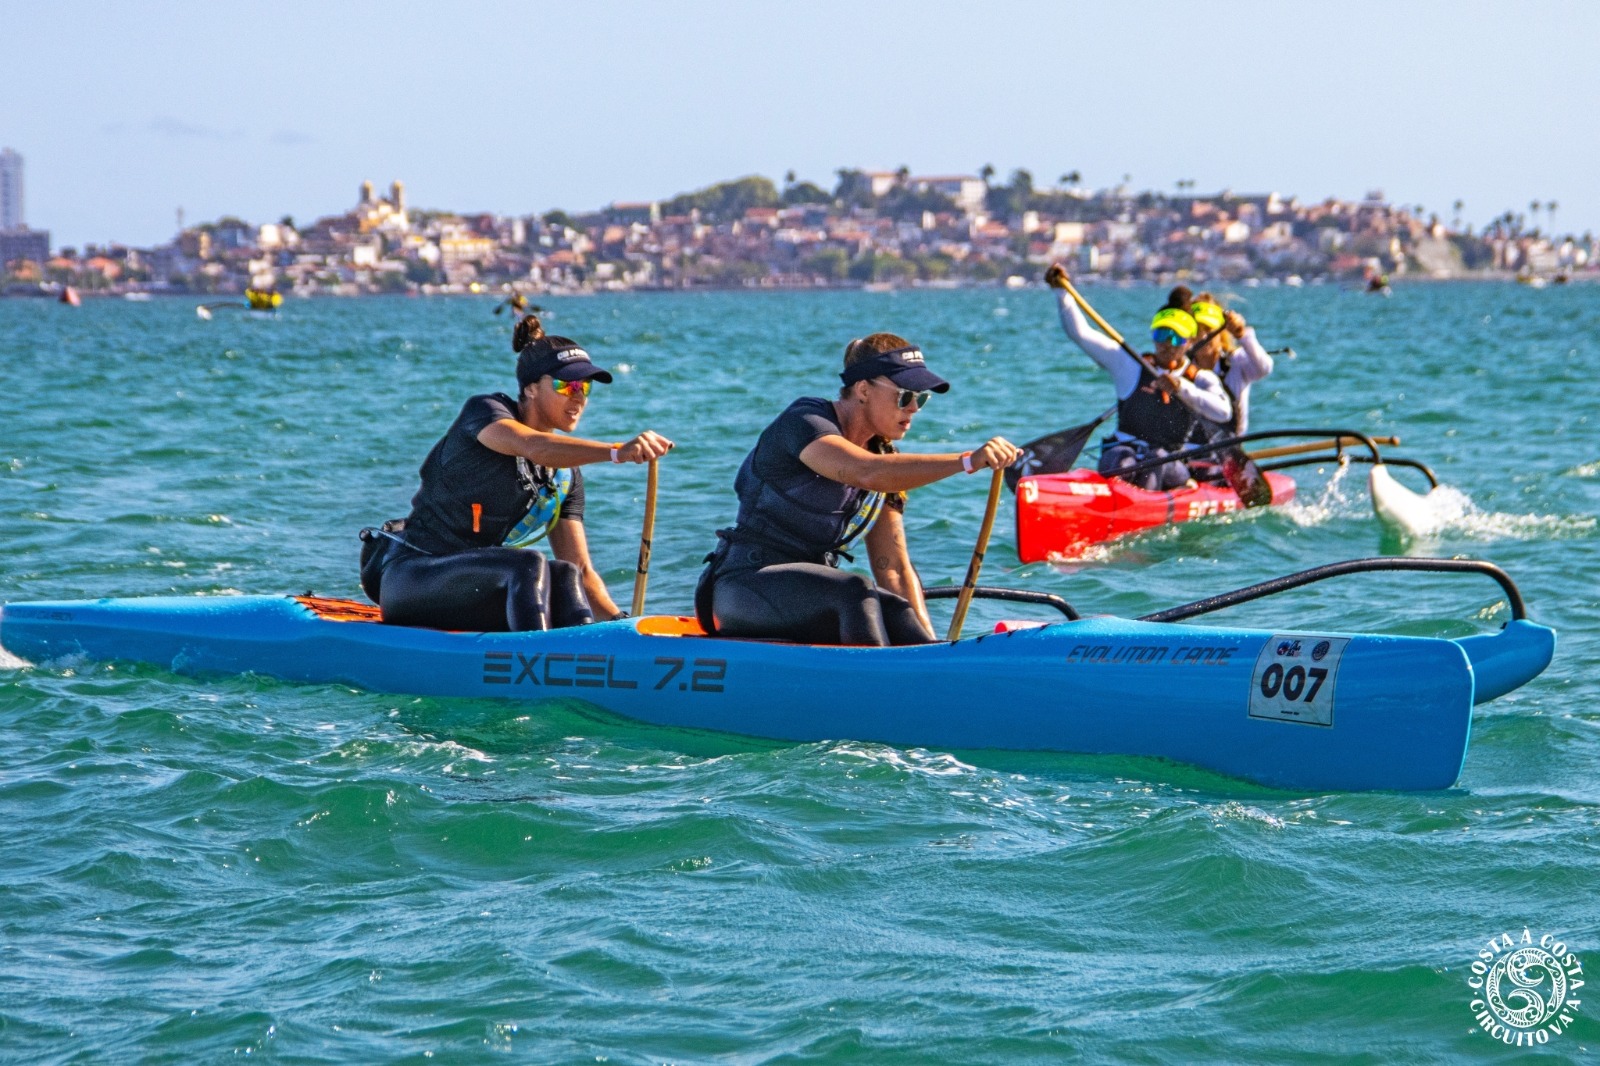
x=11, y=662
x=914, y=760
x=1236, y=811
x=1447, y=509
x=1332, y=502
x=1586, y=470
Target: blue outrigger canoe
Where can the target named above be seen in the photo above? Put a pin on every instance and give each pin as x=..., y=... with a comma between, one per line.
x=1298, y=710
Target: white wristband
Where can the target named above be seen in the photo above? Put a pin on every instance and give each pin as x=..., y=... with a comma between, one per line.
x=616, y=454
x=966, y=461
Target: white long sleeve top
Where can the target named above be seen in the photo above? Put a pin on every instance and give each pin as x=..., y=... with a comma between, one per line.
x=1246, y=366
x=1204, y=395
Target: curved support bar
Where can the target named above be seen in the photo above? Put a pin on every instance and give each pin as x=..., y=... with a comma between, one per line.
x=1221, y=443
x=990, y=592
x=1519, y=609
x=1336, y=457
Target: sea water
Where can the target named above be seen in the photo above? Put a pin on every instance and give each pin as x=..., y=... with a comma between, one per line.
x=198, y=868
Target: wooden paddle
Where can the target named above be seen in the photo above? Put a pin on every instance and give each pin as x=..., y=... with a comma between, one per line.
x=1316, y=446
x=965, y=599
x=641, y=573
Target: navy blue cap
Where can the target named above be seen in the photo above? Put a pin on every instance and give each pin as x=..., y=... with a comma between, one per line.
x=561, y=358
x=903, y=366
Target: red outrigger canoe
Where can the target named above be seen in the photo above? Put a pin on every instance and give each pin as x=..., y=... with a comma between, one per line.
x=1061, y=516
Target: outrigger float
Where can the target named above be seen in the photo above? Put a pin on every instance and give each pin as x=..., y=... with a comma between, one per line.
x=1062, y=516
x=1293, y=709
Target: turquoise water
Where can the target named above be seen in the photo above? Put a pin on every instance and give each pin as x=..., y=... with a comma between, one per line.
x=197, y=868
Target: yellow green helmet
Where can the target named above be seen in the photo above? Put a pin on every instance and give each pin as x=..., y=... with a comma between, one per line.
x=1179, y=322
x=1208, y=315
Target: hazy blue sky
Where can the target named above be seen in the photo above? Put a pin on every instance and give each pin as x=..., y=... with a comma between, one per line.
x=127, y=111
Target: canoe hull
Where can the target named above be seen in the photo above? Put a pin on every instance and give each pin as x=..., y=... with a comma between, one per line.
x=1396, y=713
x=1061, y=516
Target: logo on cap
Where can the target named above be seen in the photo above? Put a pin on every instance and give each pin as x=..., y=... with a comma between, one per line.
x=573, y=355
x=913, y=356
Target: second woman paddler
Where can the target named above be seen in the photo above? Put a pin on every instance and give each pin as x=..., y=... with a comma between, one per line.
x=823, y=474
x=1159, y=398
x=502, y=478
x=1233, y=353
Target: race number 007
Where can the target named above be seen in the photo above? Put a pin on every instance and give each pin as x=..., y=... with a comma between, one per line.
x=1295, y=678
x=1292, y=682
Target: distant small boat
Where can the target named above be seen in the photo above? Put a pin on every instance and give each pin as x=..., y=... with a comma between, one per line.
x=263, y=299
x=69, y=296
x=136, y=297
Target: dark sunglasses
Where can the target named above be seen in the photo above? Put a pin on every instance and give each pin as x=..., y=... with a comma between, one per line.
x=905, y=397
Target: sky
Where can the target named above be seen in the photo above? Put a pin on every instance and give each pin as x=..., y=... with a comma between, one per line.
x=127, y=112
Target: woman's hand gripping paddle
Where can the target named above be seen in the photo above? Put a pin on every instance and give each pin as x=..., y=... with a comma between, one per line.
x=641, y=573
x=964, y=601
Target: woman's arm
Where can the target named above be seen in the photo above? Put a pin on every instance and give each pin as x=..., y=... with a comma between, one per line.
x=1252, y=360
x=1205, y=395
x=850, y=464
x=510, y=437
x=570, y=543
x=1122, y=367
x=891, y=562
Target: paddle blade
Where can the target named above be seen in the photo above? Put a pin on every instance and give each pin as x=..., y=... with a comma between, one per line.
x=1245, y=478
x=203, y=313
x=1053, y=454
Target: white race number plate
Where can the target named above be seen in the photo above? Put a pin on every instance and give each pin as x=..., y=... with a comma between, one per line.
x=1296, y=677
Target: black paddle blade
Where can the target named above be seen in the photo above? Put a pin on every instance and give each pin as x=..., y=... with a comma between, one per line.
x=1053, y=454
x=1245, y=478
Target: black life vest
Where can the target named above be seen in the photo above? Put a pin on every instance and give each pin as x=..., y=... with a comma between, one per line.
x=474, y=497
x=1144, y=416
x=802, y=513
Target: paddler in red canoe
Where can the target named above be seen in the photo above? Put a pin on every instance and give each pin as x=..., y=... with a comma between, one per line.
x=1160, y=398
x=1232, y=352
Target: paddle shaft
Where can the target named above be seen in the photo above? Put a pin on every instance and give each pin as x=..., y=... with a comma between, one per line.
x=1317, y=445
x=641, y=574
x=1094, y=316
x=965, y=599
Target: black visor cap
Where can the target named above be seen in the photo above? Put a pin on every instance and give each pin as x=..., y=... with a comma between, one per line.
x=562, y=359
x=903, y=366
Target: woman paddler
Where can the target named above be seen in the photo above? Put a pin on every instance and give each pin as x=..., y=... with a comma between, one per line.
x=1233, y=353
x=1159, y=397
x=824, y=473
x=500, y=479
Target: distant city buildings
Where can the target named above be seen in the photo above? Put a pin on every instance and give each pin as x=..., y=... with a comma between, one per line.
x=18, y=243
x=874, y=228
x=11, y=215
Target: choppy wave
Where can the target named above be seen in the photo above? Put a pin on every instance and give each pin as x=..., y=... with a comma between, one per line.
x=203, y=867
